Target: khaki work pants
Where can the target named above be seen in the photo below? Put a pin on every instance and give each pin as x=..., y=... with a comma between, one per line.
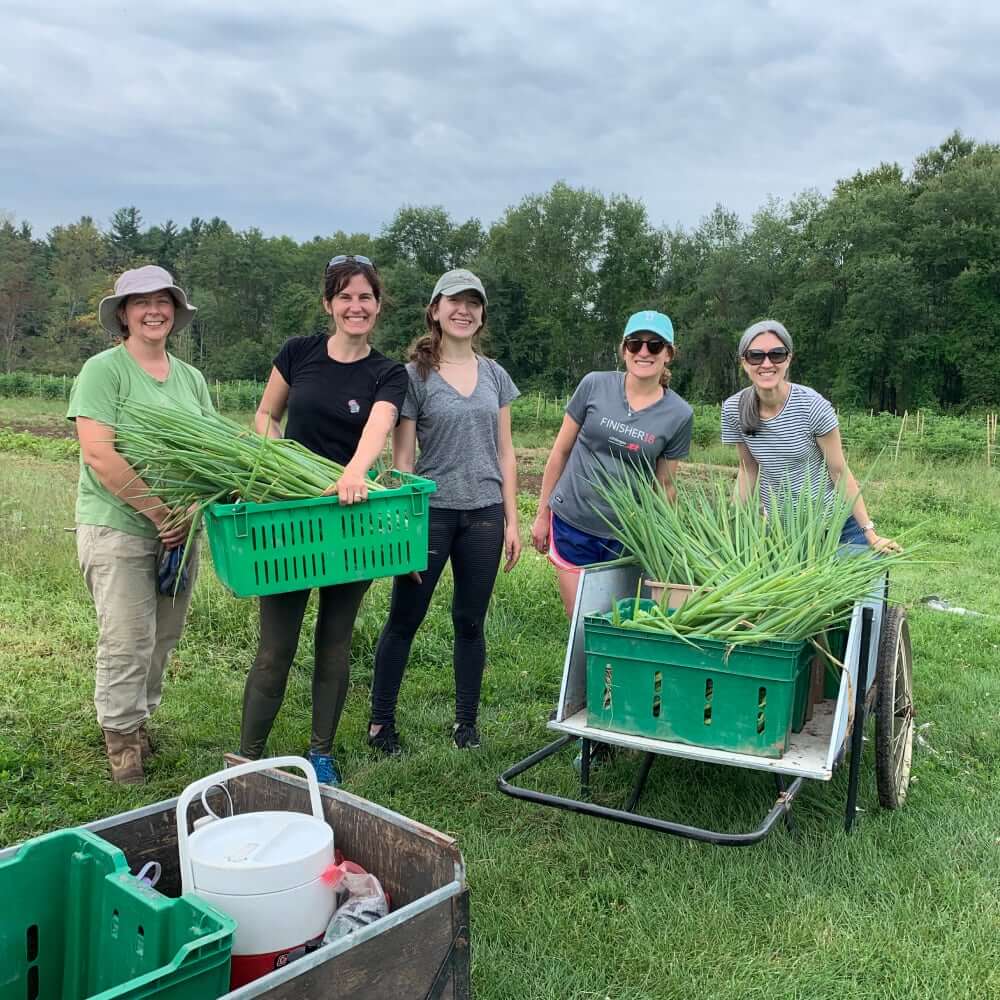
x=138, y=627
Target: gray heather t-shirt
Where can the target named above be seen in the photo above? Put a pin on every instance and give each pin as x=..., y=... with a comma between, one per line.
x=458, y=436
x=610, y=433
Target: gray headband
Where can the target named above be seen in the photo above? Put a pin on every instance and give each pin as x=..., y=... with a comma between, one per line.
x=764, y=326
x=749, y=404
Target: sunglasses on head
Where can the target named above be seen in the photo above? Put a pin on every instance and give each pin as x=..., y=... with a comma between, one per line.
x=343, y=258
x=634, y=345
x=777, y=355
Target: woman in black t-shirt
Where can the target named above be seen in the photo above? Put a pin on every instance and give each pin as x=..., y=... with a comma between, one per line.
x=342, y=399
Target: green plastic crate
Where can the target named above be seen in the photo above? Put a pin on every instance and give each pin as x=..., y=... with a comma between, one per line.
x=74, y=924
x=742, y=698
x=274, y=548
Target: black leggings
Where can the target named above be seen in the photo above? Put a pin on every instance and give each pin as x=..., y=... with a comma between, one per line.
x=473, y=540
x=280, y=624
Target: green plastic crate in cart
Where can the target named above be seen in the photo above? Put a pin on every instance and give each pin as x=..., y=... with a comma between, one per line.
x=274, y=548
x=75, y=925
x=742, y=698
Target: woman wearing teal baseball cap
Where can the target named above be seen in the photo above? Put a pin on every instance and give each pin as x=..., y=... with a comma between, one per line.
x=612, y=417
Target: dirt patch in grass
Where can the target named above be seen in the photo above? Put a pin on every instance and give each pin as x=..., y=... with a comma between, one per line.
x=39, y=429
x=705, y=470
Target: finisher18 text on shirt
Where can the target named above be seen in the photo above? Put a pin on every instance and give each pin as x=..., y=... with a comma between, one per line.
x=627, y=429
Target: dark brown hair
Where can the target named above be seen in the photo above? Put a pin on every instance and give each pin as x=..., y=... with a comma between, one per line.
x=425, y=351
x=338, y=277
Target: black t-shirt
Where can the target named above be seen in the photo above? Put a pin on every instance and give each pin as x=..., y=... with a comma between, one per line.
x=329, y=402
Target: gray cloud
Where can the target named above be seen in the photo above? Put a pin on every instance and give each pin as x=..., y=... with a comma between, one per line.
x=309, y=119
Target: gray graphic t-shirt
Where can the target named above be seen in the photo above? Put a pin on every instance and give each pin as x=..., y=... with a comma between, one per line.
x=458, y=436
x=610, y=433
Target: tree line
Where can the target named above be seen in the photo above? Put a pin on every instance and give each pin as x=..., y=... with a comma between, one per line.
x=890, y=284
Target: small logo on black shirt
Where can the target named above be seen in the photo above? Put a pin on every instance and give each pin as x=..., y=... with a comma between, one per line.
x=352, y=405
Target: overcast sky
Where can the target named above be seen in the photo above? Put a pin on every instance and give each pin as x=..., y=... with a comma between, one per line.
x=302, y=118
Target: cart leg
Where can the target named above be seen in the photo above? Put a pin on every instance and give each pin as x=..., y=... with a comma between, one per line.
x=782, y=787
x=640, y=781
x=858, y=732
x=584, y=768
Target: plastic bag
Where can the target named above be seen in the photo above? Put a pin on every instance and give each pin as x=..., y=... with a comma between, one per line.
x=363, y=902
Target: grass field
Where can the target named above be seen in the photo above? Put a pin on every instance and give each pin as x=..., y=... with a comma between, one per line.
x=564, y=906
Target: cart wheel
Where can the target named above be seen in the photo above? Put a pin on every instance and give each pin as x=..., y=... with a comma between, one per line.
x=894, y=710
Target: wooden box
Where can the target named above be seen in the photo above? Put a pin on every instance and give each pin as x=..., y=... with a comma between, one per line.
x=419, y=951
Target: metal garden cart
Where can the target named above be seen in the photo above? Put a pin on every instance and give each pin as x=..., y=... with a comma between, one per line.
x=877, y=677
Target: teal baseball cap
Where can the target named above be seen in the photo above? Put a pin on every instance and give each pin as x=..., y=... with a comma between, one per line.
x=650, y=321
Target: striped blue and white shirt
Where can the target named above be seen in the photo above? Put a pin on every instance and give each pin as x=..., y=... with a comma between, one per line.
x=785, y=447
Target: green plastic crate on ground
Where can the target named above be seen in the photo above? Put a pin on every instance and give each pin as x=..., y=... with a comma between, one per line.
x=742, y=698
x=274, y=548
x=74, y=924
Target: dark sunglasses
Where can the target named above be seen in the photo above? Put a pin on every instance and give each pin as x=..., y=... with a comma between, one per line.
x=777, y=356
x=634, y=345
x=343, y=258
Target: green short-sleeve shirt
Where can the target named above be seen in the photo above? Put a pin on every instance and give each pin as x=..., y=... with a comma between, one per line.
x=104, y=383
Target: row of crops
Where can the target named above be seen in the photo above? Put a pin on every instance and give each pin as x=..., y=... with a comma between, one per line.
x=967, y=438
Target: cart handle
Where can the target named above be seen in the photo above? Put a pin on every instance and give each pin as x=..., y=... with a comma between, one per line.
x=220, y=778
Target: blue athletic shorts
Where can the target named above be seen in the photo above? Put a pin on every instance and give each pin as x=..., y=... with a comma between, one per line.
x=852, y=533
x=578, y=548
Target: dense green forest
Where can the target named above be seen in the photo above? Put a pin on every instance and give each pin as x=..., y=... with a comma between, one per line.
x=890, y=284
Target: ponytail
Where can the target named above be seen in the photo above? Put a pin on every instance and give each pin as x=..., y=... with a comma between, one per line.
x=749, y=407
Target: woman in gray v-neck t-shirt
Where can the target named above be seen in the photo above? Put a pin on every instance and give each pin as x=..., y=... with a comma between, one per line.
x=458, y=436
x=465, y=446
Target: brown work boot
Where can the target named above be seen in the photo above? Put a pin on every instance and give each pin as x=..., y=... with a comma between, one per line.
x=125, y=757
x=145, y=745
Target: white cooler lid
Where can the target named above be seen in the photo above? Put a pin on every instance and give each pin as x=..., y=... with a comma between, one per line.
x=259, y=852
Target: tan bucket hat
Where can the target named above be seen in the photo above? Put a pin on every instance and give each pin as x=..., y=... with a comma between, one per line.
x=136, y=282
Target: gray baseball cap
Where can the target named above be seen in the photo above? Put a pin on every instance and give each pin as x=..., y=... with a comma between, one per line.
x=138, y=281
x=459, y=280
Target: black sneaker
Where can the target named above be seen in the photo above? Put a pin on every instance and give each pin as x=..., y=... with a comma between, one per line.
x=386, y=741
x=465, y=736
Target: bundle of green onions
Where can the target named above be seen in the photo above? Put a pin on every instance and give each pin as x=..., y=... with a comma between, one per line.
x=190, y=459
x=784, y=577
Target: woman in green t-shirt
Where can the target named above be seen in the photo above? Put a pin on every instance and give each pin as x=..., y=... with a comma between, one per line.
x=122, y=541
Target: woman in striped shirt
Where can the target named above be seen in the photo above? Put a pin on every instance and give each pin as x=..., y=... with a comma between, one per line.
x=786, y=433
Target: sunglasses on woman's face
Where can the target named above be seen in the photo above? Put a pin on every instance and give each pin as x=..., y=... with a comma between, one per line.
x=777, y=356
x=343, y=258
x=634, y=345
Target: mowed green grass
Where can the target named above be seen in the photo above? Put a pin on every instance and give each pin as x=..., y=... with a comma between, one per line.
x=565, y=906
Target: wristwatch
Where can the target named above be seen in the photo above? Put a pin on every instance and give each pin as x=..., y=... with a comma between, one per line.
x=870, y=526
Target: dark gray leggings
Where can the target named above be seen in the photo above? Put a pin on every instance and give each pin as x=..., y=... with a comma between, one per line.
x=280, y=624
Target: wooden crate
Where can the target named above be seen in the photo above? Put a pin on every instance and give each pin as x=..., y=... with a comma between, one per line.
x=419, y=951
